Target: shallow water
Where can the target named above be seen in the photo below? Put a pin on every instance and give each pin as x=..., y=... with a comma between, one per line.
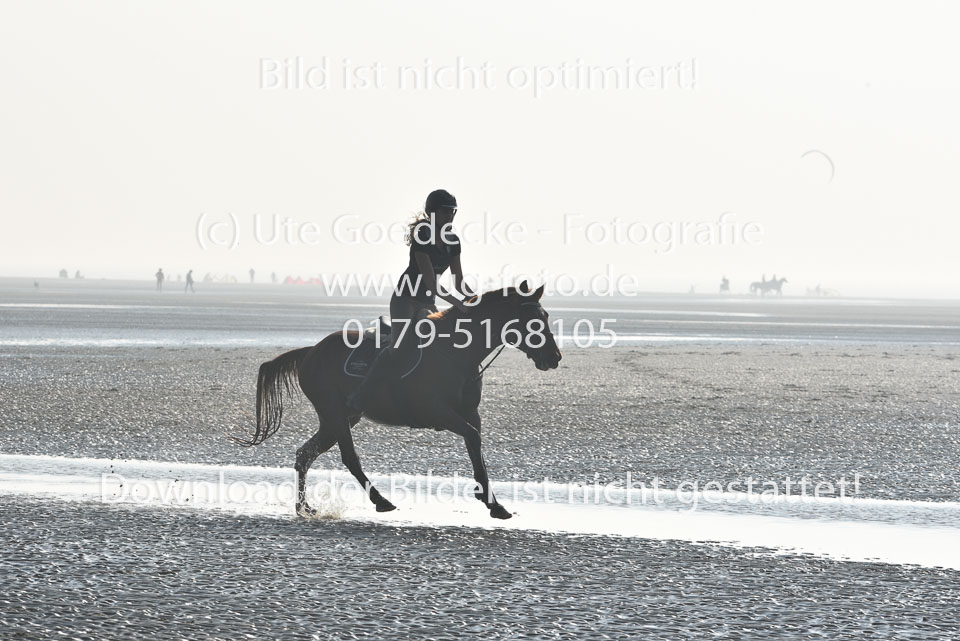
x=908, y=532
x=97, y=312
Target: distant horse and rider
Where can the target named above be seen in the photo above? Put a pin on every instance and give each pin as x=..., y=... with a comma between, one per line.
x=442, y=391
x=764, y=286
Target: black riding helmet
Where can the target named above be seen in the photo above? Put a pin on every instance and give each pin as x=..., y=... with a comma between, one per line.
x=440, y=198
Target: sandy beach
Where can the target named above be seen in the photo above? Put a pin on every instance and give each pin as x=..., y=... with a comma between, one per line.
x=674, y=409
x=98, y=572
x=679, y=413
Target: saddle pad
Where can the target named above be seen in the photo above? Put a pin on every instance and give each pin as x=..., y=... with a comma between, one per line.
x=360, y=358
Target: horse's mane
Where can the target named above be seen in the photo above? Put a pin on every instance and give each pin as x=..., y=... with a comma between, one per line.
x=486, y=300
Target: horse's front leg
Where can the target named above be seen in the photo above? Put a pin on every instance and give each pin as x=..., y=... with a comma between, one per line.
x=470, y=431
x=350, y=458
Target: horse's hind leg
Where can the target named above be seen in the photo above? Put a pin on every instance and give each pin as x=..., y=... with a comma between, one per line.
x=348, y=453
x=319, y=443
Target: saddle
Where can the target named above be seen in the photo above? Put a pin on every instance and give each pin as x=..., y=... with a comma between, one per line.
x=361, y=357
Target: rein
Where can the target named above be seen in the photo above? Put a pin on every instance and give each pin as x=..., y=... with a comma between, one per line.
x=500, y=349
x=490, y=362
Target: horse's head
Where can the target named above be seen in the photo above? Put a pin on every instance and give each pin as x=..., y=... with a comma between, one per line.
x=533, y=325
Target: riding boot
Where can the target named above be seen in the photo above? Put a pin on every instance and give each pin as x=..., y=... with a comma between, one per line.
x=380, y=369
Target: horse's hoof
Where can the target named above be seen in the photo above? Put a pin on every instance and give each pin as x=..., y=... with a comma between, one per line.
x=385, y=506
x=500, y=512
x=306, y=511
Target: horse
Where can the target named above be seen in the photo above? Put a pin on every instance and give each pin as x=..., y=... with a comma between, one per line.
x=775, y=285
x=442, y=392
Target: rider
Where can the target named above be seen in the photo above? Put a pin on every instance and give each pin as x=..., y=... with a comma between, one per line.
x=433, y=248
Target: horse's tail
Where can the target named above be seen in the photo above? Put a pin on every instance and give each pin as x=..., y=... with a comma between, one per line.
x=275, y=378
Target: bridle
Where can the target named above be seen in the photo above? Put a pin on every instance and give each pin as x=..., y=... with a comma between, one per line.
x=500, y=349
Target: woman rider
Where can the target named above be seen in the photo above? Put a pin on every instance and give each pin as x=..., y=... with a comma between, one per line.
x=433, y=248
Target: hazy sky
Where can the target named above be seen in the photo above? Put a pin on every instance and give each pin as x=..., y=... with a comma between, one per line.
x=832, y=128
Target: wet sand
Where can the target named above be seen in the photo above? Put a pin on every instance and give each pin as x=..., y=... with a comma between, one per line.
x=117, y=572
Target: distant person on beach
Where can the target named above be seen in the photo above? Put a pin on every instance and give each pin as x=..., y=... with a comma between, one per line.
x=273, y=277
x=159, y=276
x=189, y=285
x=252, y=273
x=63, y=273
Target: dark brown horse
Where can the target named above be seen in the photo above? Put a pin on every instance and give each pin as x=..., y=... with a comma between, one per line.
x=443, y=392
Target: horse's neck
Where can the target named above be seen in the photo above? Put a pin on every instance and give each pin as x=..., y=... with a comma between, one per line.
x=486, y=335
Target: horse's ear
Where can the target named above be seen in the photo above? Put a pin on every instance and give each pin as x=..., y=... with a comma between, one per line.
x=537, y=295
x=524, y=288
